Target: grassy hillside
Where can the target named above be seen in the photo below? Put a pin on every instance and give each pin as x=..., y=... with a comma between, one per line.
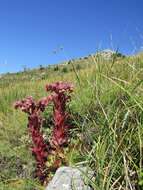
x=107, y=113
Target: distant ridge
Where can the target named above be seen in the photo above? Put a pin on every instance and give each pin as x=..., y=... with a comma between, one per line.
x=106, y=55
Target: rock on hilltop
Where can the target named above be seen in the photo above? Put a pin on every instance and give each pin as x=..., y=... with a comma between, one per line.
x=107, y=54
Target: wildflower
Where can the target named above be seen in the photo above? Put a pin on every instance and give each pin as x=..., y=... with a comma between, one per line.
x=60, y=96
x=40, y=148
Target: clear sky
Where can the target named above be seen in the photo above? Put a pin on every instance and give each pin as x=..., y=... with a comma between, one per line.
x=31, y=31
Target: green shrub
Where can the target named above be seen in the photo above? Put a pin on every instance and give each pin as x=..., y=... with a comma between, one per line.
x=78, y=67
x=56, y=68
x=64, y=70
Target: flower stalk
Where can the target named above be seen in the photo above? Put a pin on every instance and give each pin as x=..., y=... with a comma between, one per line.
x=60, y=96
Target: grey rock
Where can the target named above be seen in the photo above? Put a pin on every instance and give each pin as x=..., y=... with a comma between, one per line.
x=108, y=54
x=69, y=178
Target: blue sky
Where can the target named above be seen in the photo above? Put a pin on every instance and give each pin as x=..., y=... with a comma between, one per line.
x=32, y=30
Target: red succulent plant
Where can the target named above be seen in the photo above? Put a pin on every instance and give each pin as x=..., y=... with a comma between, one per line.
x=60, y=96
x=40, y=148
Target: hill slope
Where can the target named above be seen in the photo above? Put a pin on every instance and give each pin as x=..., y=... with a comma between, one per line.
x=107, y=113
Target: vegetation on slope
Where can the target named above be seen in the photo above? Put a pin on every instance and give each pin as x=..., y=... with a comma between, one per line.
x=106, y=110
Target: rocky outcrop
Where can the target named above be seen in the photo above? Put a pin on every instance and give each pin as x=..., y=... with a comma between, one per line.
x=108, y=54
x=69, y=178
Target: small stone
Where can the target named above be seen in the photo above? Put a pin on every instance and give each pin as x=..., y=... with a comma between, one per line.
x=69, y=178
